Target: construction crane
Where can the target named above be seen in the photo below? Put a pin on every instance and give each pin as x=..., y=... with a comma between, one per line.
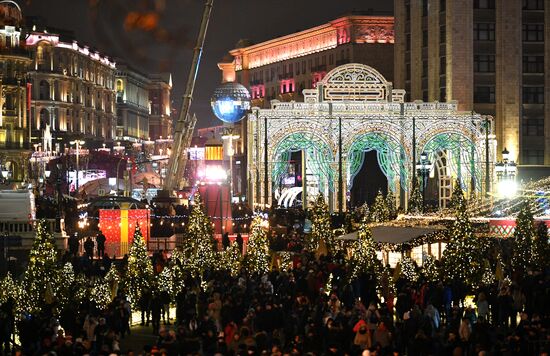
x=186, y=122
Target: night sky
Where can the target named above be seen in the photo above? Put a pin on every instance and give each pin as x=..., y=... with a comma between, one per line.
x=158, y=35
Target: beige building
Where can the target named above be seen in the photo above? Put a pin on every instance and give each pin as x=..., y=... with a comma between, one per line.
x=490, y=56
x=14, y=125
x=160, y=119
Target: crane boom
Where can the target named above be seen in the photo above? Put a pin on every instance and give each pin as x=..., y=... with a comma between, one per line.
x=186, y=123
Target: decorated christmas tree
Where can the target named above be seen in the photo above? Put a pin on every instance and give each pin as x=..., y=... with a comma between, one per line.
x=379, y=211
x=463, y=257
x=199, y=245
x=100, y=293
x=430, y=269
x=390, y=203
x=42, y=279
x=541, y=246
x=257, y=251
x=409, y=270
x=416, y=203
x=139, y=272
x=321, y=226
x=523, y=239
x=231, y=258
x=113, y=279
x=363, y=255
x=10, y=292
x=457, y=198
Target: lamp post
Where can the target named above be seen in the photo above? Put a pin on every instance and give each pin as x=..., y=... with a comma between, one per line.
x=423, y=167
x=78, y=143
x=506, y=175
x=230, y=136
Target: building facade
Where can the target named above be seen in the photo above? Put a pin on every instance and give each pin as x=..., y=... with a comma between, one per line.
x=281, y=68
x=15, y=60
x=132, y=105
x=160, y=119
x=488, y=55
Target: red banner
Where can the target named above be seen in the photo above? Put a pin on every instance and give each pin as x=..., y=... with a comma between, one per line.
x=119, y=226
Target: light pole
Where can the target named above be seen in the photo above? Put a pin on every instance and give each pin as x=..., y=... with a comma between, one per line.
x=506, y=176
x=78, y=143
x=423, y=167
x=230, y=136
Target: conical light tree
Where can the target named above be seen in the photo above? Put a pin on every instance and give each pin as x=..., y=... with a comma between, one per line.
x=257, y=252
x=416, y=203
x=409, y=271
x=463, y=257
x=430, y=269
x=139, y=272
x=199, y=246
x=321, y=226
x=390, y=203
x=41, y=280
x=379, y=211
x=457, y=197
x=363, y=258
x=231, y=258
x=523, y=239
x=541, y=247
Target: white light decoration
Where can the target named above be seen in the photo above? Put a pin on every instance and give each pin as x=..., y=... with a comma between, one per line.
x=507, y=188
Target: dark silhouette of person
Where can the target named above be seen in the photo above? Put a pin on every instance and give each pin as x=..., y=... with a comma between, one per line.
x=73, y=244
x=100, y=240
x=225, y=241
x=239, y=240
x=89, y=247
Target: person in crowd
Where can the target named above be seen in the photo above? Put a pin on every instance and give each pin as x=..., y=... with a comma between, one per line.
x=100, y=241
x=89, y=247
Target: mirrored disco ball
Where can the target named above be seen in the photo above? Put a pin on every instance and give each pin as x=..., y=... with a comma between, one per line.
x=230, y=102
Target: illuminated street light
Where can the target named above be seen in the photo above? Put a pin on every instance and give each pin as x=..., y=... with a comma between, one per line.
x=230, y=136
x=506, y=176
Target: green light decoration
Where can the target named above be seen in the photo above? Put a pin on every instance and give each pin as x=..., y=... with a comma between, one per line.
x=198, y=252
x=522, y=242
x=321, y=227
x=379, y=211
x=319, y=156
x=463, y=258
x=42, y=278
x=139, y=272
x=388, y=151
x=363, y=253
x=257, y=257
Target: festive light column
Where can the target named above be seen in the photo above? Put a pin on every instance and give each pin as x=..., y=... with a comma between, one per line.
x=139, y=272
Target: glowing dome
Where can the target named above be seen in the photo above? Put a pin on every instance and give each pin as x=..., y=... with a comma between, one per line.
x=230, y=102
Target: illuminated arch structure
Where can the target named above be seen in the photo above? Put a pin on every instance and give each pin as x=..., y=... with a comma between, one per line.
x=355, y=109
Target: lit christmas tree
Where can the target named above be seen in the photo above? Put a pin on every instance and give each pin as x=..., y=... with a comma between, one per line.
x=409, y=270
x=457, y=197
x=231, y=258
x=321, y=226
x=541, y=247
x=66, y=289
x=257, y=252
x=100, y=294
x=416, y=203
x=523, y=239
x=363, y=258
x=390, y=203
x=430, y=269
x=113, y=279
x=463, y=257
x=42, y=279
x=10, y=291
x=139, y=272
x=379, y=211
x=199, y=245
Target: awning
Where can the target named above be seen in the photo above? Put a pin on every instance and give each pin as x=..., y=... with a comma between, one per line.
x=393, y=234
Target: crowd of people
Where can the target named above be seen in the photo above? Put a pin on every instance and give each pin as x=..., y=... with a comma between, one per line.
x=312, y=309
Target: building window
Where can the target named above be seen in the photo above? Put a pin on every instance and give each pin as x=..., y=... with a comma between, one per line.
x=407, y=11
x=408, y=42
x=484, y=63
x=425, y=38
x=442, y=65
x=442, y=34
x=442, y=94
x=484, y=4
x=424, y=7
x=533, y=32
x=484, y=31
x=424, y=68
x=425, y=95
x=484, y=94
x=532, y=127
x=533, y=4
x=533, y=64
x=442, y=5
x=533, y=95
x=331, y=59
x=533, y=157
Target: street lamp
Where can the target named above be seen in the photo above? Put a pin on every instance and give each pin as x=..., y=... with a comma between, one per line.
x=424, y=167
x=230, y=136
x=506, y=176
x=78, y=143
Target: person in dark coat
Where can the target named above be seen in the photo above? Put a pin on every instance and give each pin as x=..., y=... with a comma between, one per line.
x=100, y=240
x=239, y=240
x=89, y=247
x=73, y=245
x=225, y=241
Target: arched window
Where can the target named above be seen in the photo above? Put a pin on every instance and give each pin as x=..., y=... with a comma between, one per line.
x=44, y=118
x=119, y=85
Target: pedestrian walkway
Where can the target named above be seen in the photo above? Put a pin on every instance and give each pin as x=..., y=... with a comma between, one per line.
x=140, y=336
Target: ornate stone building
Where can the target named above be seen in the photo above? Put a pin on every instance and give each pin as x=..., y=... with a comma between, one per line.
x=14, y=63
x=160, y=119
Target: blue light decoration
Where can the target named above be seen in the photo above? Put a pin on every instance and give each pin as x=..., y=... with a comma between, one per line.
x=230, y=102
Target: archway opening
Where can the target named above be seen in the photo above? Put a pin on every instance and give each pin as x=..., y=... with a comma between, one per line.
x=369, y=180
